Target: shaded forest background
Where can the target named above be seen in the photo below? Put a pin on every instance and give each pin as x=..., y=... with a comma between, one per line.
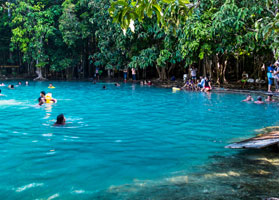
x=68, y=39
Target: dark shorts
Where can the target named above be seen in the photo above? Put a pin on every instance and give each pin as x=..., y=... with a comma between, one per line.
x=134, y=77
x=270, y=81
x=194, y=77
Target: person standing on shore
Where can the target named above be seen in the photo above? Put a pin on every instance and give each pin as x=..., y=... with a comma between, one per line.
x=97, y=73
x=194, y=74
x=276, y=76
x=270, y=71
x=125, y=73
x=134, y=73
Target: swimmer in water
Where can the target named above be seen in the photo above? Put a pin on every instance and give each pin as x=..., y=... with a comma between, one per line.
x=117, y=84
x=60, y=120
x=259, y=100
x=104, y=87
x=269, y=98
x=51, y=86
x=248, y=98
x=42, y=98
x=2, y=85
x=1, y=93
x=26, y=83
x=11, y=87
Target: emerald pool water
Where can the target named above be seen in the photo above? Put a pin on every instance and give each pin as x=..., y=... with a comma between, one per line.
x=129, y=142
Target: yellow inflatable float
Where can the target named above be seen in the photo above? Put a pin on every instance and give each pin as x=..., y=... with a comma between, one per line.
x=174, y=89
x=49, y=98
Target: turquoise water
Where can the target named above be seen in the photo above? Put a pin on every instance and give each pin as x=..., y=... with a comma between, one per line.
x=121, y=143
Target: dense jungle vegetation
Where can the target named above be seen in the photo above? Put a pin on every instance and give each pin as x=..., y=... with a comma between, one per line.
x=68, y=39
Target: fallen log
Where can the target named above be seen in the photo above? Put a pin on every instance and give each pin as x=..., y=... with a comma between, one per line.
x=258, y=142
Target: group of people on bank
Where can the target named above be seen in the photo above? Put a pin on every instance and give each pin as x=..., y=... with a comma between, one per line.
x=203, y=84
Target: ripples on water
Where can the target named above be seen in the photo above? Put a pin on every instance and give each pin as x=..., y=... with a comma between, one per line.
x=131, y=142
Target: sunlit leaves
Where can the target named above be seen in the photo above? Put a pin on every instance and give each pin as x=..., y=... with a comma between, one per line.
x=169, y=13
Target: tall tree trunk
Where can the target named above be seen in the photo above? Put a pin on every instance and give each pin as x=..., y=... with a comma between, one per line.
x=170, y=69
x=204, y=63
x=159, y=72
x=162, y=73
x=237, y=69
x=39, y=72
x=218, y=69
x=109, y=73
x=224, y=71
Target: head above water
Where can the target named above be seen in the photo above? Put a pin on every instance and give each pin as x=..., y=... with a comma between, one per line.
x=259, y=98
x=60, y=120
x=43, y=93
x=104, y=87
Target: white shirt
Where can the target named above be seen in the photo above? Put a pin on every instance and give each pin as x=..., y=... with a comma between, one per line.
x=133, y=71
x=193, y=72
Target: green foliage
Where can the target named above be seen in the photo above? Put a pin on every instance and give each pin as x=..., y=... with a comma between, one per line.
x=63, y=34
x=146, y=58
x=32, y=25
x=69, y=24
x=169, y=13
x=268, y=27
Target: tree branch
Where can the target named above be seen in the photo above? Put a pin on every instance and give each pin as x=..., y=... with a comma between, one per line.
x=273, y=13
x=276, y=6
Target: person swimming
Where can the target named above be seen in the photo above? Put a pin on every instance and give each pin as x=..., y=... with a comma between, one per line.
x=248, y=98
x=51, y=86
x=117, y=84
x=259, y=100
x=12, y=87
x=42, y=98
x=269, y=98
x=104, y=87
x=26, y=83
x=2, y=85
x=60, y=120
